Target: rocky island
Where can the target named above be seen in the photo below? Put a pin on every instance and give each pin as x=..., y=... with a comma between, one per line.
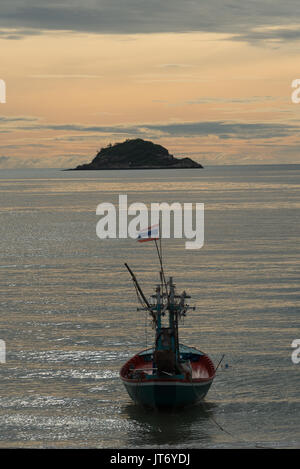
x=136, y=154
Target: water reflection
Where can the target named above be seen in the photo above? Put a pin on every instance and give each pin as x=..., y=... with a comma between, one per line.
x=191, y=426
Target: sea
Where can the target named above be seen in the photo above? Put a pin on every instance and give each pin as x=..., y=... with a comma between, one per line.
x=69, y=315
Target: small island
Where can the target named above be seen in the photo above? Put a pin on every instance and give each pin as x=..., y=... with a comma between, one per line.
x=136, y=154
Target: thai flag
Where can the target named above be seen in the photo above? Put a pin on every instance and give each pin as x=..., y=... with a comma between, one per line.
x=149, y=234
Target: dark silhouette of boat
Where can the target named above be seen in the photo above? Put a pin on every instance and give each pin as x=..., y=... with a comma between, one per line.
x=169, y=374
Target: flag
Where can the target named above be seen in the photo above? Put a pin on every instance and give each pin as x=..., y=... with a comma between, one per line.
x=149, y=234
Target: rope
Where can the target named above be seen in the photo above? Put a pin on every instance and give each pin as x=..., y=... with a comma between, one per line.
x=241, y=440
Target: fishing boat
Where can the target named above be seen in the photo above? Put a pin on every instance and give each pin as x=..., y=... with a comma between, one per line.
x=169, y=374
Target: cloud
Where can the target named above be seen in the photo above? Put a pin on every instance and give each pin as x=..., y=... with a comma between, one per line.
x=4, y=159
x=53, y=161
x=68, y=76
x=16, y=34
x=84, y=128
x=275, y=35
x=6, y=119
x=9, y=124
x=252, y=99
x=221, y=129
x=174, y=66
x=225, y=130
x=25, y=145
x=11, y=162
x=233, y=17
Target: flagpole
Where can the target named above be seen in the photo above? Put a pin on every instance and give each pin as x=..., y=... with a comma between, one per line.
x=159, y=252
x=160, y=247
x=150, y=237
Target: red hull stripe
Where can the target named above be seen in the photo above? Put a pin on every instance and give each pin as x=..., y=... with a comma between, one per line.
x=167, y=382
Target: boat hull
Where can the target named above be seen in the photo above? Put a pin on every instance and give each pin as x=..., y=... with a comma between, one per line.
x=154, y=391
x=162, y=394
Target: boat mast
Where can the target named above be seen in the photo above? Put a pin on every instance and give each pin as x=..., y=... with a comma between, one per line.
x=159, y=253
x=166, y=337
x=173, y=317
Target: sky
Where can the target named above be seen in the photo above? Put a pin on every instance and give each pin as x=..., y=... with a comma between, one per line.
x=211, y=80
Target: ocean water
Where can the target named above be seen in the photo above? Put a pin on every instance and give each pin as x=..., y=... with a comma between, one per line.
x=69, y=320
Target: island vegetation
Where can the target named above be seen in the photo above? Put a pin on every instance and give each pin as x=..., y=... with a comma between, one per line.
x=136, y=154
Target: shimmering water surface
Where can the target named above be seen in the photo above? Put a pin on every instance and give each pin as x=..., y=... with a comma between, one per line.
x=69, y=319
